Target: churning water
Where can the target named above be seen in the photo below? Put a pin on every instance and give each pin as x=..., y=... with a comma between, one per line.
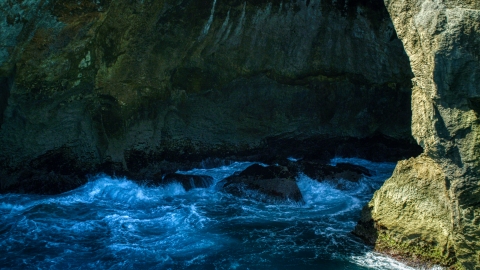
x=118, y=224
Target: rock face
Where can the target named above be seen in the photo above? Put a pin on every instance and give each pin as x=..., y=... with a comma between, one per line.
x=430, y=207
x=130, y=87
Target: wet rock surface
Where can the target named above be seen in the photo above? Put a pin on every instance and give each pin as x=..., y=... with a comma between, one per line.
x=187, y=181
x=276, y=183
x=322, y=172
x=339, y=174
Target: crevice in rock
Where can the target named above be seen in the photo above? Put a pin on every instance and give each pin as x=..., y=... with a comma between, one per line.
x=6, y=84
x=474, y=104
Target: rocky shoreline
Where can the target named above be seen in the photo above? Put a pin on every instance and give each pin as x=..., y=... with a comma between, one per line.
x=145, y=88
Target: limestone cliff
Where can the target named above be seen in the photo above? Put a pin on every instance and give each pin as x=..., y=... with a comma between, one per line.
x=125, y=87
x=430, y=207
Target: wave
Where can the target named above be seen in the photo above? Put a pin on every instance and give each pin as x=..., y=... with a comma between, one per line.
x=117, y=223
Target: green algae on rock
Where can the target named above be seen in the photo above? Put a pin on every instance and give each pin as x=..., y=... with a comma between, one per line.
x=412, y=213
x=135, y=88
x=430, y=208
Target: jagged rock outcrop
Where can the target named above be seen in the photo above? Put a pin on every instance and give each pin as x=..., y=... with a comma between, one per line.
x=339, y=175
x=430, y=207
x=264, y=183
x=325, y=172
x=126, y=87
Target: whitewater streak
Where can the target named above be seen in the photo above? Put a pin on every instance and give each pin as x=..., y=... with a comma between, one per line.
x=119, y=224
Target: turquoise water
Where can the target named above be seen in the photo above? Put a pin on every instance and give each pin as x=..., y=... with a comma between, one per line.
x=119, y=224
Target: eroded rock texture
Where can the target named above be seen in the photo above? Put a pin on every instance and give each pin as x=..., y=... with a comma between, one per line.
x=430, y=208
x=132, y=87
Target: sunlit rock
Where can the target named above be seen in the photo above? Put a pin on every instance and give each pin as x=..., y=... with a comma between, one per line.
x=430, y=208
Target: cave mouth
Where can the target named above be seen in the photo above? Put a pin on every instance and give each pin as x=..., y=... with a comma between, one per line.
x=337, y=83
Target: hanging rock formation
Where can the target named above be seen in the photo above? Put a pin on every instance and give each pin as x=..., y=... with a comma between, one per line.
x=430, y=208
x=140, y=87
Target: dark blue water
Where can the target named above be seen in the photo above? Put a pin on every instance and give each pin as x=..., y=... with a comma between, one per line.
x=118, y=224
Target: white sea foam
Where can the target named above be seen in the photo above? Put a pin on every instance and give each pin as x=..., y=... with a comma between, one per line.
x=378, y=261
x=221, y=172
x=116, y=223
x=11, y=207
x=323, y=195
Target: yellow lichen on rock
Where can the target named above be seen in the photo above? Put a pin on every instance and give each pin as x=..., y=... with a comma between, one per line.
x=413, y=209
x=429, y=207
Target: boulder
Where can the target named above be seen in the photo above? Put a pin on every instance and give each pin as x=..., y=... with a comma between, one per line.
x=344, y=171
x=270, y=183
x=337, y=175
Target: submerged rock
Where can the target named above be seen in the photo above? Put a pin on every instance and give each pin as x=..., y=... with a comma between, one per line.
x=187, y=181
x=276, y=183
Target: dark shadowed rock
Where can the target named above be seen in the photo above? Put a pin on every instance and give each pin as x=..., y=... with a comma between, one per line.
x=187, y=181
x=270, y=172
x=300, y=78
x=46, y=183
x=347, y=167
x=275, y=182
x=344, y=171
x=320, y=171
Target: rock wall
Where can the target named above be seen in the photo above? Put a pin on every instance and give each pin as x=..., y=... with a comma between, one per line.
x=125, y=87
x=430, y=208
